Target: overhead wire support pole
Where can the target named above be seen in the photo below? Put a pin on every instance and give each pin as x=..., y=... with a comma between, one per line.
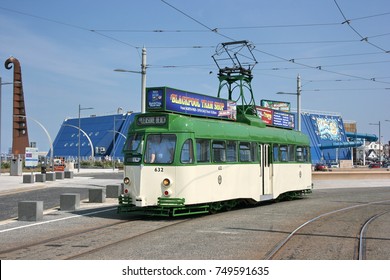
x=143, y=81
x=299, y=102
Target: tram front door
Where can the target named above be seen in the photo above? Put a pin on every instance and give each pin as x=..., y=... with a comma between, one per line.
x=265, y=173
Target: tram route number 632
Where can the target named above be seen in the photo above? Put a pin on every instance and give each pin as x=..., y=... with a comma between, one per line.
x=159, y=169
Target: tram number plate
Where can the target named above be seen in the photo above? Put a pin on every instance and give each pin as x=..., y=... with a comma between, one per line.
x=159, y=169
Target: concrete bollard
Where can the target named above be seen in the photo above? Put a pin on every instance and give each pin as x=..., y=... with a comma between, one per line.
x=50, y=176
x=68, y=174
x=28, y=178
x=60, y=175
x=69, y=201
x=113, y=191
x=97, y=195
x=40, y=177
x=30, y=211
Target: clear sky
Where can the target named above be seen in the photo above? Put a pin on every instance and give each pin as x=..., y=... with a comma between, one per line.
x=69, y=49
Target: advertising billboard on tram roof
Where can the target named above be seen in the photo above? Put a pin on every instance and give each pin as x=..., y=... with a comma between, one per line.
x=275, y=105
x=189, y=103
x=275, y=117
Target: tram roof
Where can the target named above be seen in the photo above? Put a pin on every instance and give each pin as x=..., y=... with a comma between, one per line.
x=229, y=130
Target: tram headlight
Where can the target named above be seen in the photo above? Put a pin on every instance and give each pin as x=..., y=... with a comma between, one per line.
x=166, y=182
x=126, y=180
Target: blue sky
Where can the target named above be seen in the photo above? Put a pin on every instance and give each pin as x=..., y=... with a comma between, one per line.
x=69, y=49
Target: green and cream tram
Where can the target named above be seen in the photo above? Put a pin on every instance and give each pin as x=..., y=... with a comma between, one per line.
x=179, y=164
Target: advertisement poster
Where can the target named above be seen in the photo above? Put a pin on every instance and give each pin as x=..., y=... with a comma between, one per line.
x=154, y=99
x=328, y=128
x=283, y=119
x=189, y=103
x=276, y=118
x=265, y=114
x=275, y=105
x=31, y=157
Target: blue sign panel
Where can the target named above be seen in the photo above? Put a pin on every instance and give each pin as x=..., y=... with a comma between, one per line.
x=190, y=103
x=154, y=99
x=283, y=119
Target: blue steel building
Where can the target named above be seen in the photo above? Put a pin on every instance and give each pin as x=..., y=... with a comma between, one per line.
x=100, y=137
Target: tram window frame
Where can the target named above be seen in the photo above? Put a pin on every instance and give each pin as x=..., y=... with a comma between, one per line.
x=231, y=151
x=300, y=154
x=283, y=153
x=254, y=152
x=275, y=151
x=219, y=151
x=133, y=148
x=306, y=154
x=291, y=153
x=203, y=151
x=134, y=138
x=247, y=152
x=187, y=150
x=171, y=146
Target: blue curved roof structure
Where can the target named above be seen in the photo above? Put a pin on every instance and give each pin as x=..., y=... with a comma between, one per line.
x=100, y=136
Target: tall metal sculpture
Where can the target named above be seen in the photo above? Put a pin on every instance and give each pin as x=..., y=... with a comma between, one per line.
x=235, y=61
x=19, y=131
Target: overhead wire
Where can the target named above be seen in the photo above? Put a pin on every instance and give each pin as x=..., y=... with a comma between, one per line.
x=71, y=25
x=362, y=38
x=101, y=32
x=274, y=55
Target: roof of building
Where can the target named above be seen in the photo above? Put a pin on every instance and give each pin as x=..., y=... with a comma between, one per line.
x=99, y=136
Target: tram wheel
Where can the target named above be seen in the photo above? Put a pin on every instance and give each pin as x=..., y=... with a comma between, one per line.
x=230, y=204
x=215, y=207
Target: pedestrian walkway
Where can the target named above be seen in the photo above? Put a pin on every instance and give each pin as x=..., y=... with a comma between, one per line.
x=13, y=184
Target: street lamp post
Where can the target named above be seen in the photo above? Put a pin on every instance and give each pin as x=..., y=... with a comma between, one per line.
x=114, y=142
x=143, y=79
x=78, y=154
x=48, y=137
x=298, y=94
x=388, y=149
x=379, y=137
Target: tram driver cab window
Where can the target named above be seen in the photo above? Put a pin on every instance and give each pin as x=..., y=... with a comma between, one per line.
x=160, y=148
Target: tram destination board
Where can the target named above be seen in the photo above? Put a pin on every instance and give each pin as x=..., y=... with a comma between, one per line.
x=189, y=103
x=151, y=120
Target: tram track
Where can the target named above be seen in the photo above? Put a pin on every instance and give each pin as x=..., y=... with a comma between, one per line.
x=362, y=236
x=277, y=251
x=85, y=255
x=81, y=243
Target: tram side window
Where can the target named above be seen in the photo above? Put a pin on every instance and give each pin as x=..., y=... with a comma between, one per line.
x=276, y=152
x=283, y=153
x=300, y=154
x=247, y=152
x=219, y=151
x=291, y=153
x=187, y=154
x=203, y=150
x=231, y=151
x=306, y=154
